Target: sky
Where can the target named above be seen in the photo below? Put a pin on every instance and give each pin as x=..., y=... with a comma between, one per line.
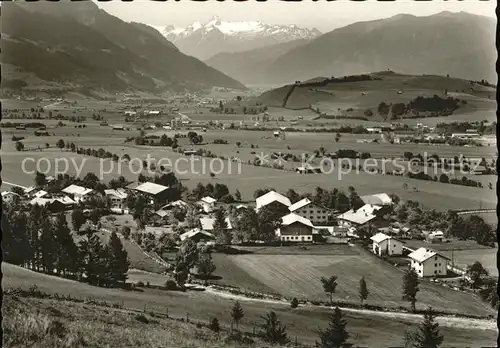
x=322, y=15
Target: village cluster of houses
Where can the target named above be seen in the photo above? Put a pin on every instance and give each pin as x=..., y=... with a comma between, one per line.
x=303, y=222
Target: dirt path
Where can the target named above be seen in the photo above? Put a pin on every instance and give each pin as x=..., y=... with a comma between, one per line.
x=448, y=321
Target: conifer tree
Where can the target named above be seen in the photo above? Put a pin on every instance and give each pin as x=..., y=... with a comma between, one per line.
x=427, y=335
x=363, y=290
x=237, y=313
x=272, y=330
x=47, y=245
x=117, y=260
x=335, y=335
x=66, y=250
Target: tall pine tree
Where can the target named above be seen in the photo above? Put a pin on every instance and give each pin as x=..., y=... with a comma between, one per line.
x=66, y=255
x=272, y=330
x=47, y=244
x=335, y=335
x=117, y=260
x=222, y=234
x=363, y=290
x=237, y=313
x=92, y=256
x=427, y=335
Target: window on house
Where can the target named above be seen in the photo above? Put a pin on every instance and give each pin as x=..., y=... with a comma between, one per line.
x=435, y=272
x=436, y=258
x=435, y=265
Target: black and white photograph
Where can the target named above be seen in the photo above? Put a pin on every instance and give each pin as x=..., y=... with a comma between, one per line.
x=249, y=174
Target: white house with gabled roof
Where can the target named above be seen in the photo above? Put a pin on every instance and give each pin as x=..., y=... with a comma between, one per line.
x=311, y=211
x=272, y=197
x=208, y=204
x=428, y=263
x=155, y=192
x=117, y=199
x=386, y=245
x=295, y=228
x=381, y=199
x=79, y=193
x=357, y=218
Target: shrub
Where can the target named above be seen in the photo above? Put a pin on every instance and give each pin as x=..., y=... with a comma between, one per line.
x=170, y=284
x=139, y=284
x=141, y=318
x=294, y=303
x=214, y=325
x=126, y=232
x=57, y=328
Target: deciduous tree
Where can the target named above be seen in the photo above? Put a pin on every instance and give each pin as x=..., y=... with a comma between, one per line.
x=410, y=287
x=329, y=286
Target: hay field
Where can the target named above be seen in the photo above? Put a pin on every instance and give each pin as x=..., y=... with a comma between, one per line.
x=299, y=276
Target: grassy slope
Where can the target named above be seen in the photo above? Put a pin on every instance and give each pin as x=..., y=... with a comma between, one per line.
x=299, y=275
x=372, y=330
x=26, y=321
x=348, y=95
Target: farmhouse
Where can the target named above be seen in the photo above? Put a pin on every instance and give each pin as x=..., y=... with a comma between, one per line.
x=465, y=135
x=272, y=197
x=308, y=169
x=207, y=224
x=117, y=199
x=428, y=263
x=197, y=235
x=307, y=209
x=176, y=204
x=208, y=204
x=40, y=193
x=29, y=190
x=160, y=216
x=386, y=245
x=79, y=193
x=335, y=231
x=55, y=205
x=295, y=228
x=379, y=199
x=478, y=170
x=373, y=130
x=363, y=215
x=435, y=237
x=155, y=192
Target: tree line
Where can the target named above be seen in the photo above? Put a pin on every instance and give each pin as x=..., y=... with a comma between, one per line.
x=35, y=239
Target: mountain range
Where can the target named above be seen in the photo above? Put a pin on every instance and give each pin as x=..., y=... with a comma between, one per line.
x=79, y=46
x=459, y=44
x=216, y=36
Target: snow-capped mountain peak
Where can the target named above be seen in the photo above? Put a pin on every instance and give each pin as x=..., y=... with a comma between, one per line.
x=283, y=33
x=203, y=40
